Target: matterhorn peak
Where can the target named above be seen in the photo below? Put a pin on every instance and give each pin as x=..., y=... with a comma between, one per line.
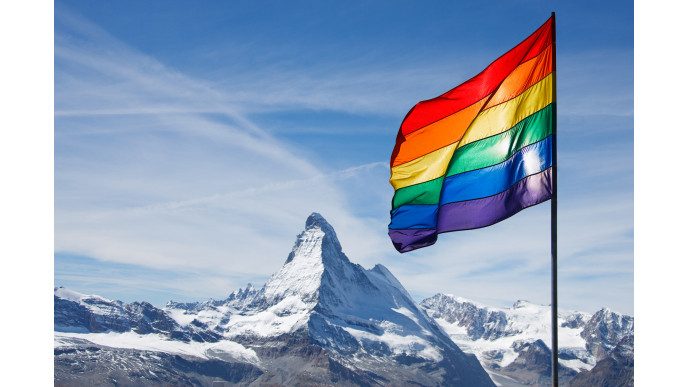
x=315, y=251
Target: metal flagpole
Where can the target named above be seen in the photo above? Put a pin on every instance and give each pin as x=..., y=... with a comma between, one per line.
x=553, y=204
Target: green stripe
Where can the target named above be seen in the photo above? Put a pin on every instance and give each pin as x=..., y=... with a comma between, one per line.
x=423, y=193
x=498, y=148
x=480, y=154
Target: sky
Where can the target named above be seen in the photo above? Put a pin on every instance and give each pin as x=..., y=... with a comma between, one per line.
x=193, y=140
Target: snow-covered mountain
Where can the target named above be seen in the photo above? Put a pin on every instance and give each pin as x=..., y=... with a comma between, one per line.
x=80, y=313
x=323, y=320
x=319, y=320
x=513, y=343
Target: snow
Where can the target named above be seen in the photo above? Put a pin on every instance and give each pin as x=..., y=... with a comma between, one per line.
x=407, y=313
x=576, y=364
x=181, y=316
x=527, y=322
x=158, y=343
x=212, y=316
x=69, y=295
x=287, y=316
x=97, y=304
x=570, y=337
x=77, y=297
x=453, y=329
x=302, y=275
x=462, y=300
x=400, y=344
x=382, y=273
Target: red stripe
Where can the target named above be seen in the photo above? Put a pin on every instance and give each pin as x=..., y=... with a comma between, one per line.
x=478, y=87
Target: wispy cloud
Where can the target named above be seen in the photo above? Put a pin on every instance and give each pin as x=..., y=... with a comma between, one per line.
x=143, y=177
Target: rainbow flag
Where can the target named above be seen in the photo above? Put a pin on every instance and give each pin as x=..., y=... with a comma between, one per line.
x=480, y=152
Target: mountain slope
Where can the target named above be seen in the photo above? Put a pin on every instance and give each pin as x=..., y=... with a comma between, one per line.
x=614, y=370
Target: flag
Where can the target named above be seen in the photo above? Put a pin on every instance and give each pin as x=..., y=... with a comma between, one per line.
x=480, y=152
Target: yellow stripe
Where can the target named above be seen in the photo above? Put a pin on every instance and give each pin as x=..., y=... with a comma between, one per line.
x=502, y=117
x=492, y=121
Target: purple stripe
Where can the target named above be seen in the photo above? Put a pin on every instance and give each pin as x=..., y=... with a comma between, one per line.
x=492, y=209
x=411, y=239
x=478, y=213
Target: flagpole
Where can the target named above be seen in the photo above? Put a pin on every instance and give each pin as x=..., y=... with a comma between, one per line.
x=553, y=204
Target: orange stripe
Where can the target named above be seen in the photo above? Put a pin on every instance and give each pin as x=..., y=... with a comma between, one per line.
x=451, y=128
x=525, y=75
x=438, y=134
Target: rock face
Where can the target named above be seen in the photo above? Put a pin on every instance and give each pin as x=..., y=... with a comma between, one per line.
x=512, y=343
x=533, y=365
x=614, y=370
x=320, y=320
x=605, y=330
x=479, y=322
x=82, y=363
x=76, y=313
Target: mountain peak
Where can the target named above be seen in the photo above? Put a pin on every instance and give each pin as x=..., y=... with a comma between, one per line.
x=316, y=220
x=318, y=240
x=315, y=251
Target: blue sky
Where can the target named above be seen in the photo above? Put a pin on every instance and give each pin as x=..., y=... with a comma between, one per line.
x=191, y=142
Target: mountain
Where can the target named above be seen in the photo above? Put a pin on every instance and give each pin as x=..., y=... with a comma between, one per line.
x=319, y=320
x=512, y=343
x=79, y=313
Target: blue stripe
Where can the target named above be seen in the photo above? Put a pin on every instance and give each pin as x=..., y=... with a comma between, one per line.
x=492, y=180
x=414, y=216
x=477, y=184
